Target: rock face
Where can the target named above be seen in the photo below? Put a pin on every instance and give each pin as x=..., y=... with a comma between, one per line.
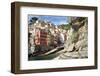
x=76, y=45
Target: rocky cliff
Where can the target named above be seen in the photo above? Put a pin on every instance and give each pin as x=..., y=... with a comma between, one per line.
x=76, y=45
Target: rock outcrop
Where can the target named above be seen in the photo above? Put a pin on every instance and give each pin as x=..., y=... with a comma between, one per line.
x=76, y=45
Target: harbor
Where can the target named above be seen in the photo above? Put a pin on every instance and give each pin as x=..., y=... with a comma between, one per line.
x=49, y=41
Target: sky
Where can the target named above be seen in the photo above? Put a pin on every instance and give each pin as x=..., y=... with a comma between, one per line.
x=53, y=19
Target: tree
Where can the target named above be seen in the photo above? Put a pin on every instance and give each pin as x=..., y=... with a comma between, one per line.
x=33, y=20
x=67, y=26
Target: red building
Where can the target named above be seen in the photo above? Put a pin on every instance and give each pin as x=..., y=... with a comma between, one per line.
x=43, y=37
x=40, y=37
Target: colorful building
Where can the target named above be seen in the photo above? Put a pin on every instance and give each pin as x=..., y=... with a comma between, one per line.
x=40, y=37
